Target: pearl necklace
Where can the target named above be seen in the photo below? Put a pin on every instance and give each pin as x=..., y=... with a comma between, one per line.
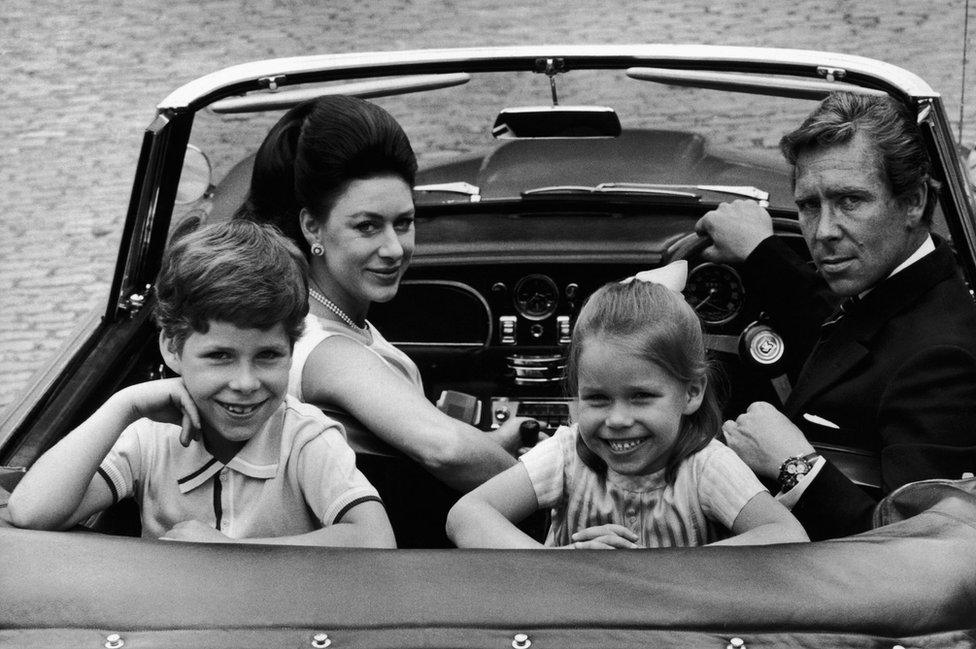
x=331, y=306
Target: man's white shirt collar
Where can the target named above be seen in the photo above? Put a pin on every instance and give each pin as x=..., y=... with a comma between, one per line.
x=927, y=247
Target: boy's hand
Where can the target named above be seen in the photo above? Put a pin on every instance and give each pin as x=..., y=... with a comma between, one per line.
x=196, y=532
x=604, y=537
x=166, y=401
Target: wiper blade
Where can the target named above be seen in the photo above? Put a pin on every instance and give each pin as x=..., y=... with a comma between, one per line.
x=745, y=191
x=675, y=191
x=451, y=188
x=611, y=188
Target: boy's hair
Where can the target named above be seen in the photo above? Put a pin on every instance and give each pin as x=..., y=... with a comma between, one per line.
x=658, y=325
x=241, y=272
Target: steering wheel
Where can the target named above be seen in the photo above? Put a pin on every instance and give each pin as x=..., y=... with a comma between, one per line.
x=692, y=245
x=757, y=344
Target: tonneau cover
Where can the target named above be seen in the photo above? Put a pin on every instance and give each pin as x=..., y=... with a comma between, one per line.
x=912, y=582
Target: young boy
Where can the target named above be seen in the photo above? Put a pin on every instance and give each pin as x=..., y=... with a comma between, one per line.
x=219, y=454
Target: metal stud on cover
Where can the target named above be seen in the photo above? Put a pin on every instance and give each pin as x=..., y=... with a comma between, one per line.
x=521, y=641
x=736, y=643
x=321, y=640
x=114, y=641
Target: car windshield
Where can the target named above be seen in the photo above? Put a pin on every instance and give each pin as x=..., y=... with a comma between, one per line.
x=670, y=135
x=700, y=136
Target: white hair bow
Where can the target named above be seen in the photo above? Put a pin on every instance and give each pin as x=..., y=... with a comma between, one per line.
x=673, y=276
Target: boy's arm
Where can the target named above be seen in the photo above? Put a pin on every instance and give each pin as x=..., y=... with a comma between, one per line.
x=364, y=525
x=486, y=516
x=61, y=488
x=763, y=520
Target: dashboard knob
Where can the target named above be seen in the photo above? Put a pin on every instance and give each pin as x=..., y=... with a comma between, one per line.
x=529, y=432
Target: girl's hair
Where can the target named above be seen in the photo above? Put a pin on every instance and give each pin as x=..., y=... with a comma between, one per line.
x=314, y=151
x=658, y=325
x=235, y=271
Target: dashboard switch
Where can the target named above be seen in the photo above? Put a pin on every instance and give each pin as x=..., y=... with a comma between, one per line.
x=506, y=329
x=562, y=329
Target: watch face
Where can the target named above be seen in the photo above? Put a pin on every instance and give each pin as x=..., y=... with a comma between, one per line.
x=793, y=469
x=797, y=467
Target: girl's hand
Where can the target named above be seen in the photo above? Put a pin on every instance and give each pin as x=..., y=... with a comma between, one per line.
x=604, y=537
x=196, y=532
x=166, y=401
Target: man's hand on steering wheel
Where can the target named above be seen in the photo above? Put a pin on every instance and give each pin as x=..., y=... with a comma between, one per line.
x=735, y=229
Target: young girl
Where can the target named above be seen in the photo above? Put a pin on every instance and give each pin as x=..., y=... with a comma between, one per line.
x=641, y=467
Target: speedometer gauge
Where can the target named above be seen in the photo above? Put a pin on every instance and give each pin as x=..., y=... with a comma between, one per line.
x=716, y=293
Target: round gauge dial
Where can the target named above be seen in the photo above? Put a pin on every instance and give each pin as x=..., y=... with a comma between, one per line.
x=716, y=293
x=536, y=297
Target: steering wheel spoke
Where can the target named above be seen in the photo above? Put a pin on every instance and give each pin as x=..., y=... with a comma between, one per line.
x=722, y=343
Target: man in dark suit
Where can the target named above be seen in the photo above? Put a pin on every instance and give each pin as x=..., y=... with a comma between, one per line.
x=893, y=372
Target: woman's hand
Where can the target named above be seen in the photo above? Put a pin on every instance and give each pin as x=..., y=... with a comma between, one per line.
x=509, y=436
x=604, y=537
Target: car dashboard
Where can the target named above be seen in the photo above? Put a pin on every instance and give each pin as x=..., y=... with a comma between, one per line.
x=488, y=304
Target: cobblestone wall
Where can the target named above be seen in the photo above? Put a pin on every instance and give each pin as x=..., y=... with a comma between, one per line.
x=80, y=81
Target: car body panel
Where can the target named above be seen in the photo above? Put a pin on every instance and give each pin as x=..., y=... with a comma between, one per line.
x=837, y=593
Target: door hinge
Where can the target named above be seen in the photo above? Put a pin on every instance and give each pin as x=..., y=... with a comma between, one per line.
x=133, y=303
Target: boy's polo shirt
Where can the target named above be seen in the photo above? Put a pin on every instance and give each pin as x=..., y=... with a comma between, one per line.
x=296, y=475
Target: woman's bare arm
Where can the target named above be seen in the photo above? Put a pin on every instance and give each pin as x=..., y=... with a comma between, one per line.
x=341, y=372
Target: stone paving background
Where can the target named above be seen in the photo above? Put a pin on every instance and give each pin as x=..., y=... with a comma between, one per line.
x=78, y=83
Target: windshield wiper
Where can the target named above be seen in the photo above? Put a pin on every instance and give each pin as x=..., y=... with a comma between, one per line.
x=676, y=191
x=681, y=192
x=452, y=188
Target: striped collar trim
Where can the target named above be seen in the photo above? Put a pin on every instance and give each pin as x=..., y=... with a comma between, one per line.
x=258, y=459
x=193, y=480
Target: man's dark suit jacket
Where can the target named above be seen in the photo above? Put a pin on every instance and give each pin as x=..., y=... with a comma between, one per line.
x=897, y=375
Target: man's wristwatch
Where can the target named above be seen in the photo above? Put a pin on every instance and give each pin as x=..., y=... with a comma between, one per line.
x=794, y=468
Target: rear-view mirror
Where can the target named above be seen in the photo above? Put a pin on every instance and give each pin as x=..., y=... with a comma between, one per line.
x=556, y=122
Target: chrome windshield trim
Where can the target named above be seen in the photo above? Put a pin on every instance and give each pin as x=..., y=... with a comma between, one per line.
x=758, y=84
x=284, y=71
x=282, y=99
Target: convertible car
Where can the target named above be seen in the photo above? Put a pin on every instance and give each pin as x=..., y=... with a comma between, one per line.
x=545, y=172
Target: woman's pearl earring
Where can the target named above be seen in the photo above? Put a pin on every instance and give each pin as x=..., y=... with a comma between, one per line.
x=317, y=249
